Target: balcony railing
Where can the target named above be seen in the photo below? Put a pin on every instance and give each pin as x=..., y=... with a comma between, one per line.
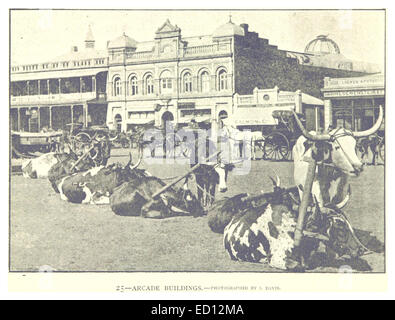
x=53, y=98
x=61, y=65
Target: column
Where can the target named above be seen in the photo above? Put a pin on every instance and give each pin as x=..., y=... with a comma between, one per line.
x=317, y=118
x=19, y=119
x=50, y=117
x=38, y=118
x=327, y=113
x=80, y=84
x=48, y=87
x=352, y=115
x=38, y=86
x=93, y=83
x=28, y=121
x=85, y=114
x=60, y=86
x=28, y=87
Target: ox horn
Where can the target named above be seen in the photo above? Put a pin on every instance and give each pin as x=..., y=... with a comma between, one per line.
x=276, y=183
x=132, y=167
x=113, y=139
x=373, y=129
x=306, y=134
x=342, y=203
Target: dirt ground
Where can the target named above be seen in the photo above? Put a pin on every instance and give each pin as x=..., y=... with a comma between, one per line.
x=46, y=231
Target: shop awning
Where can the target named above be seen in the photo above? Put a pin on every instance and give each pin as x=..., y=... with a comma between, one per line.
x=308, y=99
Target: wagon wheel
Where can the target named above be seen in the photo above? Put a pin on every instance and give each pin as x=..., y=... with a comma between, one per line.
x=276, y=147
x=381, y=149
x=81, y=141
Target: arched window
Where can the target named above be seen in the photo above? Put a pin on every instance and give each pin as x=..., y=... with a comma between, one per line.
x=149, y=85
x=187, y=82
x=222, y=80
x=166, y=82
x=117, y=86
x=205, y=81
x=134, y=89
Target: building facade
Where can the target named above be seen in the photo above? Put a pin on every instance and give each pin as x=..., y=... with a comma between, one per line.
x=255, y=111
x=171, y=78
x=353, y=103
x=69, y=89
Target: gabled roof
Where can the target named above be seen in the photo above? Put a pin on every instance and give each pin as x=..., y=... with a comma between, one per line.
x=167, y=27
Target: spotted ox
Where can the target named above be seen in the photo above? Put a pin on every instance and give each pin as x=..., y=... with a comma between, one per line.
x=38, y=168
x=96, y=185
x=134, y=198
x=334, y=152
x=265, y=234
x=66, y=166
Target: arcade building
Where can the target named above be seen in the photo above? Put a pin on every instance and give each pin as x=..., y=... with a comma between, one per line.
x=171, y=78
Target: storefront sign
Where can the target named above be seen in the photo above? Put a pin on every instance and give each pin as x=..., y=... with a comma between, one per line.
x=186, y=105
x=355, y=93
x=356, y=82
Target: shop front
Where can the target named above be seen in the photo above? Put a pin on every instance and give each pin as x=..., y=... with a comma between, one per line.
x=353, y=103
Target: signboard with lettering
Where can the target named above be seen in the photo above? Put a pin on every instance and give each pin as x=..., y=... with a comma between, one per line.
x=369, y=81
x=354, y=93
x=186, y=105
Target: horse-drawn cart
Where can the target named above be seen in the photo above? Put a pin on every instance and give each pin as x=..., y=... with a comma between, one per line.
x=23, y=144
x=278, y=144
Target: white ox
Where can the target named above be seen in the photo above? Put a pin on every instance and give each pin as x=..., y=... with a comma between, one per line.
x=40, y=166
x=336, y=159
x=237, y=138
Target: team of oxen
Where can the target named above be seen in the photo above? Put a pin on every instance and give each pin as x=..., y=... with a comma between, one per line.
x=255, y=228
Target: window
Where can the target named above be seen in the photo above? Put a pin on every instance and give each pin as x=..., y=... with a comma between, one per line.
x=187, y=82
x=222, y=77
x=134, y=89
x=166, y=82
x=117, y=87
x=149, y=85
x=205, y=81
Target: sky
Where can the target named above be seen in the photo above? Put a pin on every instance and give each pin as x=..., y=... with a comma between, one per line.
x=41, y=35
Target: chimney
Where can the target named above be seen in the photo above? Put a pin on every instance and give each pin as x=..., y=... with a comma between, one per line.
x=89, y=40
x=74, y=49
x=245, y=27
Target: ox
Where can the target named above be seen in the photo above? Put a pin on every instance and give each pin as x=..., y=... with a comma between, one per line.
x=265, y=233
x=336, y=161
x=134, y=198
x=68, y=164
x=96, y=185
x=211, y=172
x=39, y=167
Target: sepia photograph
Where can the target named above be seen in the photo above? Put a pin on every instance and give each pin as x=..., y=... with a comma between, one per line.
x=197, y=141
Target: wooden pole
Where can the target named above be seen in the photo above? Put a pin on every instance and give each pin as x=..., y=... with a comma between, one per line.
x=305, y=201
x=169, y=185
x=82, y=157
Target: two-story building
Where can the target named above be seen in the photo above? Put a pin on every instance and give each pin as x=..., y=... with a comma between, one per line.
x=172, y=77
x=70, y=88
x=178, y=78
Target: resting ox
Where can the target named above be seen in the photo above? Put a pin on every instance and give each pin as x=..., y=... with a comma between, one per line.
x=336, y=160
x=38, y=168
x=96, y=185
x=69, y=163
x=265, y=233
x=135, y=198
